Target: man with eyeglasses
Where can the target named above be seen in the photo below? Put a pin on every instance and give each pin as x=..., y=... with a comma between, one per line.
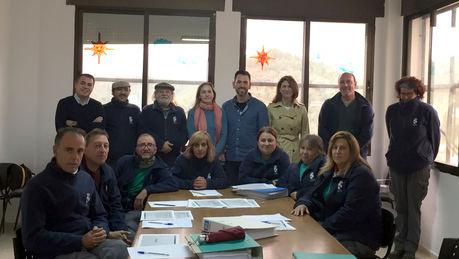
x=79, y=110
x=347, y=111
x=139, y=175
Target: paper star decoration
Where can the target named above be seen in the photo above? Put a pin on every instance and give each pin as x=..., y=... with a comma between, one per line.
x=262, y=57
x=99, y=48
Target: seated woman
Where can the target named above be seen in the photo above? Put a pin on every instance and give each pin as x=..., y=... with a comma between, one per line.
x=267, y=163
x=197, y=167
x=303, y=174
x=345, y=199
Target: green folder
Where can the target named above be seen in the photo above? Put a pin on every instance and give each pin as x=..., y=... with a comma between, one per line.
x=247, y=243
x=306, y=255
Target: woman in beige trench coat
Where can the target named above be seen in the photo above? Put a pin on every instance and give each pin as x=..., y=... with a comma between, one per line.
x=288, y=117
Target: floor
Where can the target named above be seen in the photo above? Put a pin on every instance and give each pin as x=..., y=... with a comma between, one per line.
x=6, y=246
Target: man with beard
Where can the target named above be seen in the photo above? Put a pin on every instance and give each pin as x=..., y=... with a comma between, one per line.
x=139, y=175
x=121, y=122
x=246, y=115
x=80, y=110
x=166, y=122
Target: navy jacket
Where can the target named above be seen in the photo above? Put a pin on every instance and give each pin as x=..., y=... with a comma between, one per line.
x=58, y=208
x=172, y=128
x=186, y=170
x=110, y=196
x=309, y=176
x=157, y=180
x=414, y=134
x=254, y=169
x=329, y=121
x=121, y=123
x=69, y=109
x=352, y=209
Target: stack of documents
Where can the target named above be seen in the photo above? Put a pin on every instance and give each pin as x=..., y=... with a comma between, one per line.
x=256, y=229
x=159, y=246
x=166, y=219
x=261, y=191
x=223, y=203
x=280, y=221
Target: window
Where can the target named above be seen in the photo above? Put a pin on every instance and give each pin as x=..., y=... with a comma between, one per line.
x=433, y=56
x=332, y=51
x=178, y=50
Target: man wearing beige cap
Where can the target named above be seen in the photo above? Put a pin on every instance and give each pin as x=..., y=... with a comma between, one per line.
x=121, y=122
x=166, y=122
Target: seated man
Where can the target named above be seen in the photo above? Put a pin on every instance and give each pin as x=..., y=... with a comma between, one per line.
x=95, y=156
x=62, y=215
x=139, y=175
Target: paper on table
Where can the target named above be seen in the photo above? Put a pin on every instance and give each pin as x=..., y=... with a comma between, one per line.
x=167, y=204
x=254, y=186
x=205, y=203
x=267, y=217
x=165, y=215
x=157, y=239
x=171, y=223
x=173, y=251
x=240, y=203
x=205, y=193
x=281, y=224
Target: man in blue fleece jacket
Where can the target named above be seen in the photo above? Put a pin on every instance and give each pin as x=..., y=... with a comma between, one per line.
x=62, y=215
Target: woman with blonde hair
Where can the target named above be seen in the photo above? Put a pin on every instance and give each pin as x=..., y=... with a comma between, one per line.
x=288, y=117
x=345, y=199
x=197, y=167
x=207, y=116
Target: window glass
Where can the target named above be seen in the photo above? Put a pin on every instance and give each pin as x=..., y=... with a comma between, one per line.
x=418, y=53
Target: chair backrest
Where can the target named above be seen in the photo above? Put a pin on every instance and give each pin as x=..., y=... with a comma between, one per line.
x=449, y=248
x=388, y=228
x=13, y=176
x=19, y=251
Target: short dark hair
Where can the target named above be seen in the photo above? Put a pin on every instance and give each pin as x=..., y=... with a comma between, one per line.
x=292, y=83
x=62, y=131
x=145, y=134
x=313, y=141
x=267, y=129
x=242, y=72
x=85, y=75
x=95, y=132
x=411, y=82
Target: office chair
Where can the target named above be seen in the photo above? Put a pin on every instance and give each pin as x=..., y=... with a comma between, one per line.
x=19, y=251
x=449, y=248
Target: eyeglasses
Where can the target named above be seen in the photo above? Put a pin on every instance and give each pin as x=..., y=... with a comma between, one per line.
x=143, y=145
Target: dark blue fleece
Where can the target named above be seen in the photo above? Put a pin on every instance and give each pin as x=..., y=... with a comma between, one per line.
x=121, y=123
x=58, y=208
x=69, y=109
x=414, y=134
x=157, y=180
x=254, y=169
x=110, y=197
x=172, y=128
x=186, y=170
x=308, y=179
x=352, y=209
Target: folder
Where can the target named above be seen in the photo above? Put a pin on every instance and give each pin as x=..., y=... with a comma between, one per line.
x=256, y=229
x=306, y=255
x=264, y=194
x=222, y=249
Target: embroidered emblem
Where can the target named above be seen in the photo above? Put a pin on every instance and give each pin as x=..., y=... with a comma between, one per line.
x=174, y=120
x=131, y=120
x=340, y=186
x=311, y=176
x=88, y=198
x=275, y=169
x=415, y=122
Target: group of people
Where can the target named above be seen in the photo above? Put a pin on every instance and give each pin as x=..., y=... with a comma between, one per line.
x=88, y=200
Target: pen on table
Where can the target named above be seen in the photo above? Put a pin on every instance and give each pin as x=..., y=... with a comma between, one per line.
x=152, y=253
x=162, y=223
x=200, y=193
x=164, y=204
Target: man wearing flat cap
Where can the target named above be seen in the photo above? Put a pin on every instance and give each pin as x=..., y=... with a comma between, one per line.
x=121, y=122
x=166, y=122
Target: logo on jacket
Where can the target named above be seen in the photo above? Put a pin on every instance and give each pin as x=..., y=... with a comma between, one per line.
x=415, y=122
x=88, y=199
x=174, y=120
x=131, y=120
x=311, y=176
x=340, y=186
x=275, y=169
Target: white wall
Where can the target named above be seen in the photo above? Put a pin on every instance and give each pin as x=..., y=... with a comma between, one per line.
x=37, y=72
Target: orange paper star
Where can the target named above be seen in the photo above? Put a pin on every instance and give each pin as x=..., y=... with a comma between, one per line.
x=99, y=48
x=262, y=57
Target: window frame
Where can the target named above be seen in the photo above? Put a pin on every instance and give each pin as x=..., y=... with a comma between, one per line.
x=442, y=167
x=78, y=39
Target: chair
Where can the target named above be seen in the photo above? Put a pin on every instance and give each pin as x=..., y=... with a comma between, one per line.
x=449, y=248
x=19, y=251
x=388, y=231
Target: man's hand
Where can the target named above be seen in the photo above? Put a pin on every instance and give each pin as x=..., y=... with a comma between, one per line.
x=301, y=210
x=139, y=199
x=120, y=234
x=167, y=147
x=293, y=195
x=93, y=237
x=98, y=119
x=200, y=183
x=70, y=123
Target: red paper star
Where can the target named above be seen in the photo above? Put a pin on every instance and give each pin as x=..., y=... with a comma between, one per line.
x=99, y=48
x=262, y=57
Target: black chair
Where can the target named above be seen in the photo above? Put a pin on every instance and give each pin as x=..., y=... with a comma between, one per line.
x=19, y=251
x=388, y=231
x=449, y=248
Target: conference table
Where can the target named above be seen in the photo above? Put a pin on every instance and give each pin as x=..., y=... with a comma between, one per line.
x=308, y=237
